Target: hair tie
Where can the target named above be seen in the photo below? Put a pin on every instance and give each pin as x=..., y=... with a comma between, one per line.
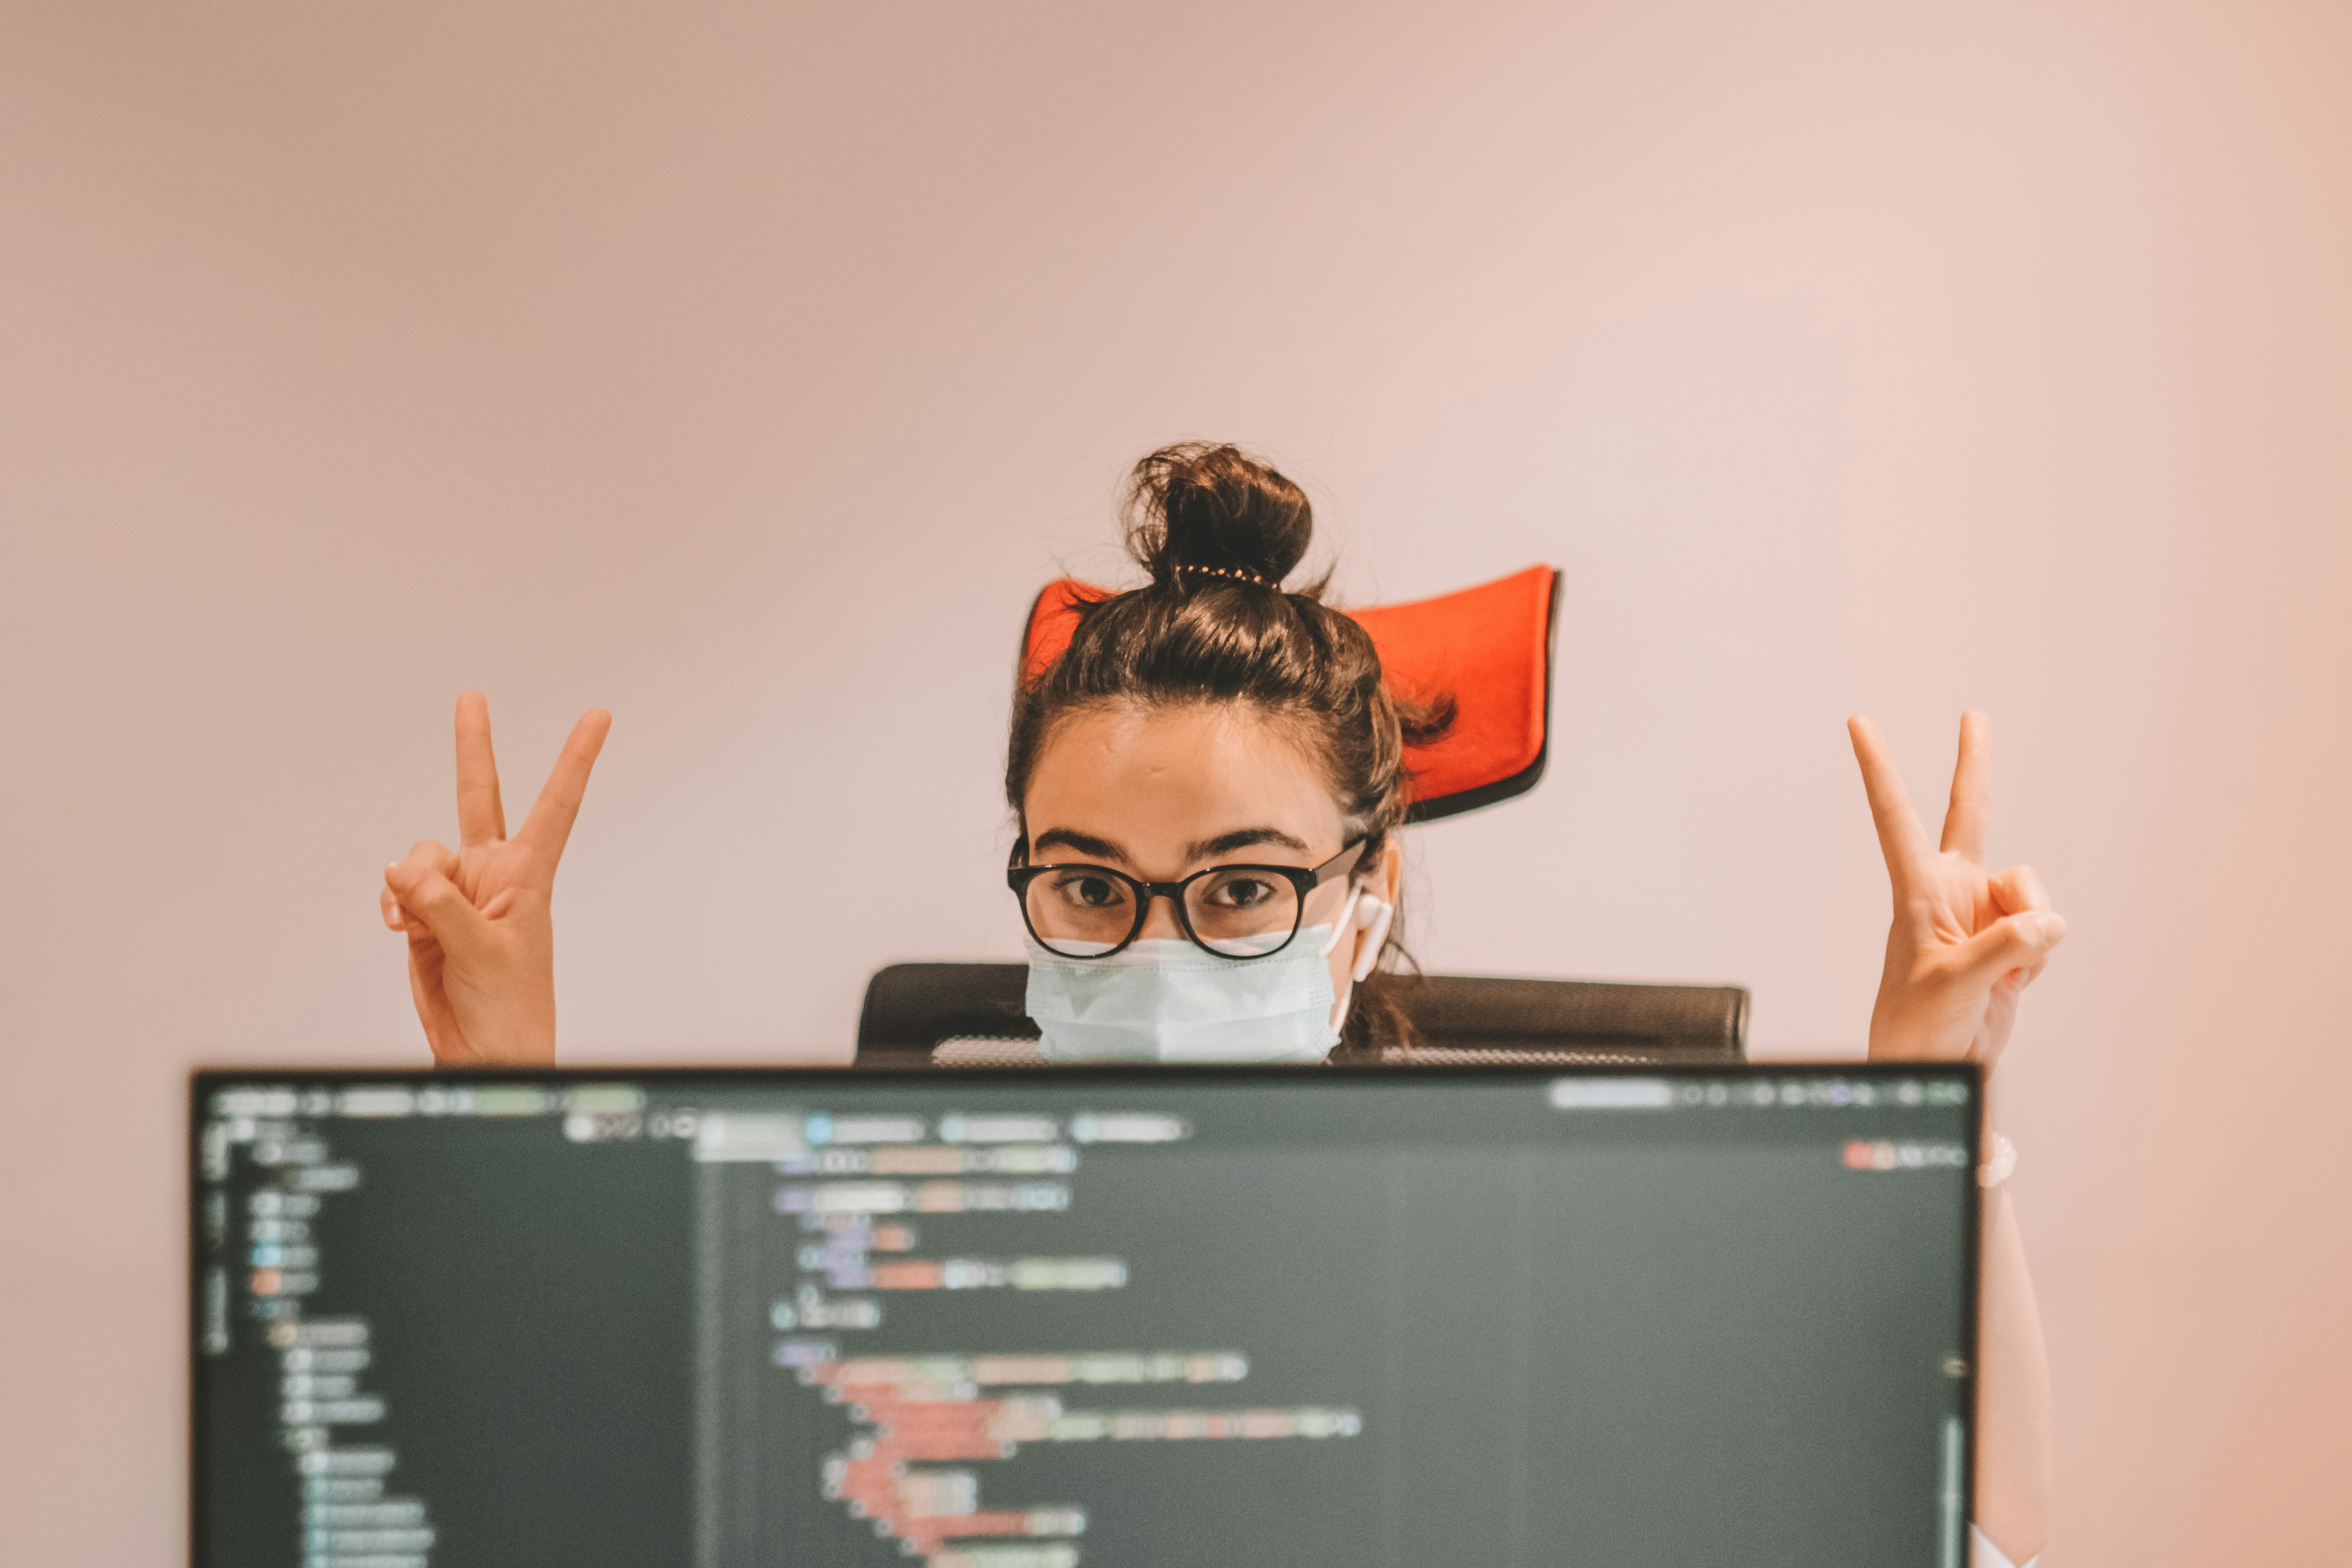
x=1236, y=573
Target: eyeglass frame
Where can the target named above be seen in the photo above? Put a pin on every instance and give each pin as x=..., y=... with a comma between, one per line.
x=1303, y=879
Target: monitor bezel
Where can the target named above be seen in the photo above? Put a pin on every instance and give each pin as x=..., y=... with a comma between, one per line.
x=203, y=1082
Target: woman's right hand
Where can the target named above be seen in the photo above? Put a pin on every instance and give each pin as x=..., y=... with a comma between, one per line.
x=481, y=939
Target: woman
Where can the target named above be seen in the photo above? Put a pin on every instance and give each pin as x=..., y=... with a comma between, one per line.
x=1208, y=784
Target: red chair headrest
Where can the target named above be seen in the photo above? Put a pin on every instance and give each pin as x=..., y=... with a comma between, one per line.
x=1488, y=648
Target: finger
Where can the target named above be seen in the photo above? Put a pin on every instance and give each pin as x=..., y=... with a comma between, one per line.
x=2019, y=889
x=1964, y=819
x=429, y=898
x=481, y=818
x=548, y=826
x=1900, y=838
x=2015, y=942
x=428, y=856
x=2015, y=891
x=423, y=856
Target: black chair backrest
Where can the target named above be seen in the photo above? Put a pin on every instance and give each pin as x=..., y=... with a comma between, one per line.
x=975, y=1012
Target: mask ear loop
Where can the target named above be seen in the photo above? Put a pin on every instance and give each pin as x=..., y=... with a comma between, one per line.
x=1350, y=920
x=1373, y=914
x=1367, y=912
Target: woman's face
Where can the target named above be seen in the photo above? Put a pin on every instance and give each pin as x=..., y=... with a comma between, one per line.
x=1161, y=793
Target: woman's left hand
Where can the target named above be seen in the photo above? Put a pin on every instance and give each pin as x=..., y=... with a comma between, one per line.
x=1965, y=942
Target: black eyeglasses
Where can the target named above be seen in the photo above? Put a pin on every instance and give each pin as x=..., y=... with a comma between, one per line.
x=1232, y=912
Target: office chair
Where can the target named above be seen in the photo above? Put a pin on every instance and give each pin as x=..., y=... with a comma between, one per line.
x=970, y=1015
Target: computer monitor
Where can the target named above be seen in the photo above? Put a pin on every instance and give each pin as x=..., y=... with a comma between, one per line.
x=1083, y=1317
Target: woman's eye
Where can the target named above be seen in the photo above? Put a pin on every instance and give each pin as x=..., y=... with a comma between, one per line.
x=1089, y=892
x=1242, y=893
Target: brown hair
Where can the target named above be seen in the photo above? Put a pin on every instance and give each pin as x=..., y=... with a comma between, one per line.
x=1218, y=533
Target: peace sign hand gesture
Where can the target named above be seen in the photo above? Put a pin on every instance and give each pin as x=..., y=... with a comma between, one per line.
x=481, y=939
x=1965, y=942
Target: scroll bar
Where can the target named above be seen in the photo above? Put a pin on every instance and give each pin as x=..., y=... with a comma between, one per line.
x=1955, y=1518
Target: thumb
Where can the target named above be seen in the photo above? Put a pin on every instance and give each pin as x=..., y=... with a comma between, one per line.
x=2014, y=942
x=434, y=901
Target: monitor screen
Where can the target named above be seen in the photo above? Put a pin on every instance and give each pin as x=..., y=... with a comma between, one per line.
x=1103, y=1318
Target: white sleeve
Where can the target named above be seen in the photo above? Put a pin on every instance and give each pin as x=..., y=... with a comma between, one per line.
x=1983, y=1553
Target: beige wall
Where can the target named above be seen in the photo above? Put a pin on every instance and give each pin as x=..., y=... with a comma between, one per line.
x=744, y=369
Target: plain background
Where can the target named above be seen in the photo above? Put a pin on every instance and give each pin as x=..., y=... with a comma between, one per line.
x=745, y=369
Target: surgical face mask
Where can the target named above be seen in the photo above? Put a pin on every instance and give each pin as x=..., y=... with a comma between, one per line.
x=1169, y=1001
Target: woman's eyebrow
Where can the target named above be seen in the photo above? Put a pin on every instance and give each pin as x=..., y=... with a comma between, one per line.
x=1242, y=838
x=1084, y=843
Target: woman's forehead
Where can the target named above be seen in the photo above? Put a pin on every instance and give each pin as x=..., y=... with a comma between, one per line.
x=1156, y=780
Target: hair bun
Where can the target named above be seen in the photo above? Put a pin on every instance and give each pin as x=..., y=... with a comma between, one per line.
x=1214, y=509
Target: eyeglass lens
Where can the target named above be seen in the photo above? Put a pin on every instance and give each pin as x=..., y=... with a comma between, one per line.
x=1081, y=911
